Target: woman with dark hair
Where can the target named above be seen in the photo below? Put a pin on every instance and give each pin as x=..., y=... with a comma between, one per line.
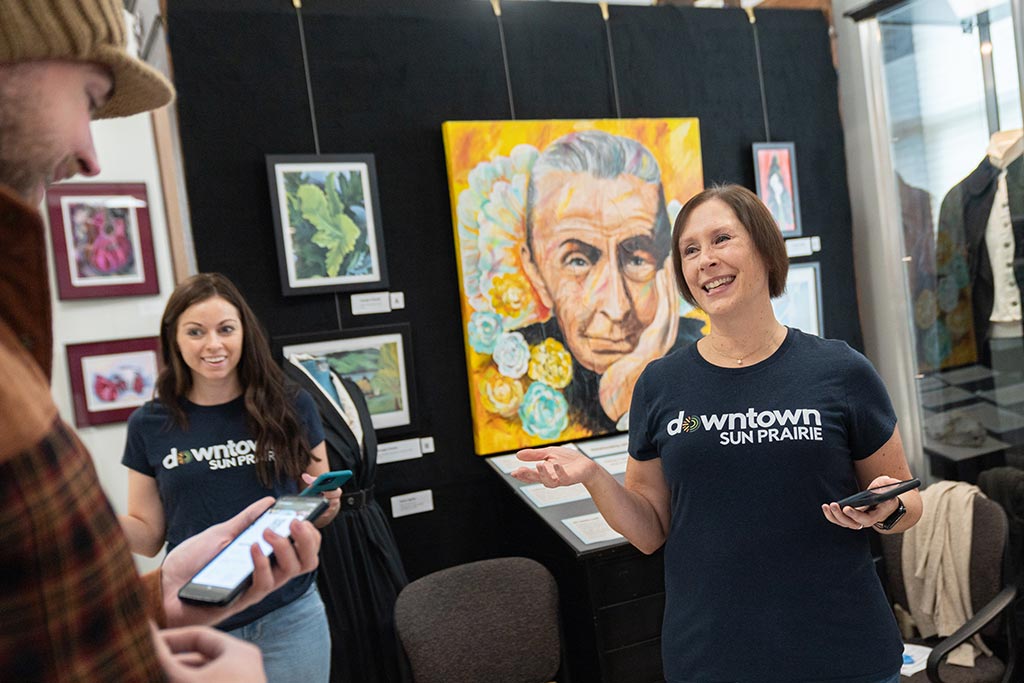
x=226, y=430
x=736, y=444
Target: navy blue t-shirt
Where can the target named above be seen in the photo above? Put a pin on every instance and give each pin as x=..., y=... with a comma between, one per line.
x=759, y=586
x=207, y=474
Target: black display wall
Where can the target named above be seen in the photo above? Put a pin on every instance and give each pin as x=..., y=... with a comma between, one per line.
x=385, y=74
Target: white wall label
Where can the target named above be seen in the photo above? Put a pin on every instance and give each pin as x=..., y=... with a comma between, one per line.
x=394, y=451
x=802, y=246
x=397, y=300
x=412, y=503
x=371, y=302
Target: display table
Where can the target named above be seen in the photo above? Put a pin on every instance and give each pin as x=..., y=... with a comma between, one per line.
x=612, y=595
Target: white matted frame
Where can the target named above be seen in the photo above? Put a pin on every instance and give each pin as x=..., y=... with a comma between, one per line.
x=378, y=360
x=327, y=223
x=800, y=305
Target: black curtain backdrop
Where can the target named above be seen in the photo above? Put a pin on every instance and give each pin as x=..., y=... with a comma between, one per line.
x=385, y=75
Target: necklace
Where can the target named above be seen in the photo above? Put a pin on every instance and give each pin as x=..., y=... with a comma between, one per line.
x=739, y=361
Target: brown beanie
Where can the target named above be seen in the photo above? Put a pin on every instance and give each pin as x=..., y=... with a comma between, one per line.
x=88, y=31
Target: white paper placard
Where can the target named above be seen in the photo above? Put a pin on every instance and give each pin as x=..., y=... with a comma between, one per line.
x=371, y=302
x=802, y=246
x=607, y=446
x=591, y=528
x=543, y=497
x=508, y=463
x=412, y=503
x=615, y=464
x=393, y=451
x=397, y=300
x=915, y=658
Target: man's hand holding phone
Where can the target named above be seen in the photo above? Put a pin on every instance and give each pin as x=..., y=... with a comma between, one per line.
x=292, y=557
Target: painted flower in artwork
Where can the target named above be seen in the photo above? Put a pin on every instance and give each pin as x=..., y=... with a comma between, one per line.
x=511, y=295
x=484, y=329
x=544, y=411
x=551, y=363
x=512, y=355
x=500, y=394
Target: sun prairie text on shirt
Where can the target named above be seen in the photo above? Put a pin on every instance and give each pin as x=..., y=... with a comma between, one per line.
x=752, y=426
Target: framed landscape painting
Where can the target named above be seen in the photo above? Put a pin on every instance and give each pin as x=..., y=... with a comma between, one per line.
x=377, y=360
x=327, y=223
x=102, y=240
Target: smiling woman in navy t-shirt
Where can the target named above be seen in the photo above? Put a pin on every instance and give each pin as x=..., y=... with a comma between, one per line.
x=737, y=445
x=223, y=432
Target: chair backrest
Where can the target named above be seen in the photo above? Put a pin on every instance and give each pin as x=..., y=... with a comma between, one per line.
x=492, y=620
x=988, y=544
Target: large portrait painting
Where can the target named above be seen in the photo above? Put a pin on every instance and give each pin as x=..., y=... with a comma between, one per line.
x=563, y=231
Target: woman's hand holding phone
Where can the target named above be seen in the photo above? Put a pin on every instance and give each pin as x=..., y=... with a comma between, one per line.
x=327, y=485
x=863, y=515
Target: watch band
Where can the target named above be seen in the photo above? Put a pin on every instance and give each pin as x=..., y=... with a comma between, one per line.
x=893, y=519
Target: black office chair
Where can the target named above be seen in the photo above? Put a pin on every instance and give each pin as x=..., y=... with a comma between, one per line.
x=492, y=620
x=992, y=597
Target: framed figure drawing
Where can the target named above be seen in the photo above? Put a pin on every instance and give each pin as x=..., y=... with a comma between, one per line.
x=775, y=175
x=564, y=301
x=378, y=360
x=327, y=223
x=800, y=305
x=110, y=379
x=102, y=240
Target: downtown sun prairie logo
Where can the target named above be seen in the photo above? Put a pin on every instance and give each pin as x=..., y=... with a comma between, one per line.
x=752, y=426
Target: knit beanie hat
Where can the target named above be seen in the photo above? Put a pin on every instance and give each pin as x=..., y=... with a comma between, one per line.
x=87, y=31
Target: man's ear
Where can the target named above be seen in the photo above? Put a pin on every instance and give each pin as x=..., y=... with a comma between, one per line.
x=532, y=273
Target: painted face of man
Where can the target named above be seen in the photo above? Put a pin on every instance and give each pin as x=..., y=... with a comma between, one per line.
x=46, y=108
x=593, y=258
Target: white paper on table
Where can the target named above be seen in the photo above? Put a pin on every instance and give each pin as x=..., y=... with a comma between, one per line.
x=607, y=446
x=915, y=658
x=591, y=528
x=508, y=463
x=543, y=497
x=615, y=464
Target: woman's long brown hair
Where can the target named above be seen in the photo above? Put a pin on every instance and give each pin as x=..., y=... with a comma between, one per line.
x=269, y=408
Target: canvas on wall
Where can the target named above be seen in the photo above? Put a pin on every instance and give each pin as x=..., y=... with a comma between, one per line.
x=800, y=305
x=775, y=176
x=327, y=223
x=377, y=360
x=102, y=240
x=562, y=233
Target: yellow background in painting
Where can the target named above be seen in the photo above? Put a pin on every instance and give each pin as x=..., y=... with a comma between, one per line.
x=675, y=144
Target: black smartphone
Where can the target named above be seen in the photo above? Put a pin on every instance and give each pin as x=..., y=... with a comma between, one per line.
x=230, y=572
x=878, y=494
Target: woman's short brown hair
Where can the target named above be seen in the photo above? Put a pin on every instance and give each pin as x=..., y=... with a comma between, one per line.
x=755, y=217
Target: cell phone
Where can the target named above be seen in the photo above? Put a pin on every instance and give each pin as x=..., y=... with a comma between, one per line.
x=230, y=572
x=878, y=494
x=328, y=481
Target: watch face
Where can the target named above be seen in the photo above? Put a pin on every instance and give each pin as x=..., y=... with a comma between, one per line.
x=890, y=521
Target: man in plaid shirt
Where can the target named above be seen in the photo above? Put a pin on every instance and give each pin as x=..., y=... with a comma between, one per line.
x=73, y=607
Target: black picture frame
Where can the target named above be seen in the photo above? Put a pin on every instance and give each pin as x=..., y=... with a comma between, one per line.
x=343, y=346
x=328, y=230
x=779, y=157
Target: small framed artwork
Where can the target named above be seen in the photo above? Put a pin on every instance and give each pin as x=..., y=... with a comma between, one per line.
x=102, y=240
x=775, y=175
x=800, y=305
x=378, y=360
x=110, y=379
x=327, y=223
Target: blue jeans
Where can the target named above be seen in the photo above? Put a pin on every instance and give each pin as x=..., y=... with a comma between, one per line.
x=294, y=639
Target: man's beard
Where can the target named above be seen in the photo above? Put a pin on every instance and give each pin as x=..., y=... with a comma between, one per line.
x=23, y=164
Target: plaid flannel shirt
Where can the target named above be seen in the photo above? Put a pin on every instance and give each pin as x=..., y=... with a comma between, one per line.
x=72, y=605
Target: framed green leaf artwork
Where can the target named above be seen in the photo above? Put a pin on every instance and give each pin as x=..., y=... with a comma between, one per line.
x=327, y=220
